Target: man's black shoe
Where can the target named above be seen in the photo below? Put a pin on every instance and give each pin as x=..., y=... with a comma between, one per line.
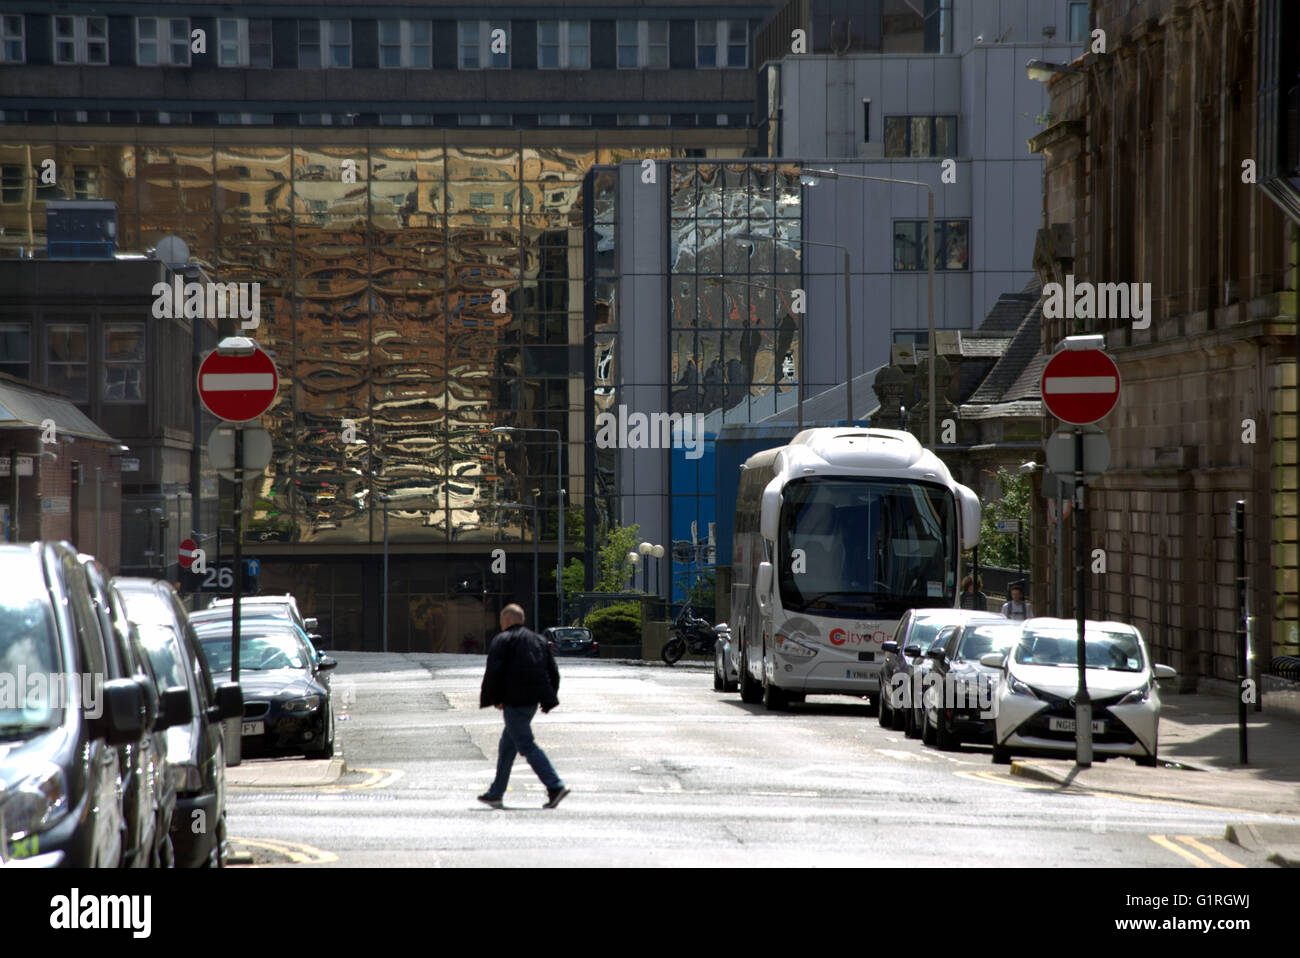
x=555, y=796
x=487, y=799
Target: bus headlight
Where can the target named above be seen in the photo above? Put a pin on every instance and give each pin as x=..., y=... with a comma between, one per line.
x=793, y=648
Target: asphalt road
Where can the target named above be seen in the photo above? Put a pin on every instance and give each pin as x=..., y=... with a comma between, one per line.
x=667, y=772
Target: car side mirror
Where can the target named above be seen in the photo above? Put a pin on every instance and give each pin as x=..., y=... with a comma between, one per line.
x=174, y=709
x=311, y=624
x=125, y=713
x=890, y=647
x=1165, y=672
x=935, y=654
x=912, y=651
x=230, y=702
x=327, y=663
x=993, y=660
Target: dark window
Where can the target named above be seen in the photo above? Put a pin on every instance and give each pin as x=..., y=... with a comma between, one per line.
x=951, y=238
x=1078, y=23
x=259, y=44
x=16, y=349
x=920, y=136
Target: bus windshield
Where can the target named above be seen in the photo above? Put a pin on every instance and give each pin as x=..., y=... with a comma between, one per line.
x=862, y=546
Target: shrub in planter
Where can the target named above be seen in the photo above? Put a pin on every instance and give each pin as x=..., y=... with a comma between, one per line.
x=618, y=624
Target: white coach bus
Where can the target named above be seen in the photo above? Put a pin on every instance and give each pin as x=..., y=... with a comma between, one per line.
x=836, y=536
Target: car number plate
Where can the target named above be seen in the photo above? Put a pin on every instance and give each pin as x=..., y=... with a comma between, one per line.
x=253, y=728
x=1067, y=725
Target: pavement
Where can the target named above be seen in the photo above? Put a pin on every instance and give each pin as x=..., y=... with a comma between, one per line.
x=286, y=772
x=1199, y=749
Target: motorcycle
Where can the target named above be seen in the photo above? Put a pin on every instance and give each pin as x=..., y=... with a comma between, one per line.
x=693, y=635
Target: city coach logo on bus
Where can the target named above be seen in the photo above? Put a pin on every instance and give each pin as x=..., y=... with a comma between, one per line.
x=840, y=637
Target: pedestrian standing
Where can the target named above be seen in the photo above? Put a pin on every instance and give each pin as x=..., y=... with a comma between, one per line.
x=1016, y=608
x=521, y=675
x=972, y=595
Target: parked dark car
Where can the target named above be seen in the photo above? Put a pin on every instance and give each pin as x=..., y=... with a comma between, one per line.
x=287, y=702
x=60, y=759
x=283, y=605
x=148, y=794
x=571, y=640
x=196, y=749
x=247, y=612
x=950, y=719
x=903, y=660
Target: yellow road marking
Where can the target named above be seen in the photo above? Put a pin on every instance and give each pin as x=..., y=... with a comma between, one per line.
x=997, y=779
x=296, y=852
x=1209, y=852
x=375, y=778
x=1181, y=852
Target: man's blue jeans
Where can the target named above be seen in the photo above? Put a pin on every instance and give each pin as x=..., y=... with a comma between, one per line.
x=517, y=739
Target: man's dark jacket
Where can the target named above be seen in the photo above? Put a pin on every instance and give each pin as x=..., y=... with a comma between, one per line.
x=520, y=671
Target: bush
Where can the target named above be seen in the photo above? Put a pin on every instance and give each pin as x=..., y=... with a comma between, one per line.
x=617, y=624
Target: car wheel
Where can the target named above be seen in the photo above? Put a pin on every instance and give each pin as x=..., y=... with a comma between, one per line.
x=719, y=683
x=911, y=726
x=1001, y=755
x=751, y=693
x=927, y=730
x=944, y=737
x=884, y=714
x=1148, y=761
x=897, y=719
x=326, y=750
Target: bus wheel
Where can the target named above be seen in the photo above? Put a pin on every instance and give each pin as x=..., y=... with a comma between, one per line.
x=774, y=699
x=751, y=693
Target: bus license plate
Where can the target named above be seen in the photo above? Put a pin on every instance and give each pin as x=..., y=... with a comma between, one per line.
x=859, y=674
x=1067, y=725
x=253, y=728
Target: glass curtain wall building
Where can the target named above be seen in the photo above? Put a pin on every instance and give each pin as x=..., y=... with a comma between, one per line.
x=414, y=295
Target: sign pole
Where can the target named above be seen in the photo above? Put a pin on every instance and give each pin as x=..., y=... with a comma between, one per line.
x=239, y=566
x=1243, y=668
x=1082, y=705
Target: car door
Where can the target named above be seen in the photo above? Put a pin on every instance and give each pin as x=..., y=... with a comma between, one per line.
x=212, y=733
x=948, y=641
x=105, y=762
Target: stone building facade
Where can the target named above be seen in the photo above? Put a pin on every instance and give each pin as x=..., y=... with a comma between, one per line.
x=1143, y=184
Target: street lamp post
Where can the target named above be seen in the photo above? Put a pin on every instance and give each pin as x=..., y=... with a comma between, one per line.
x=559, y=491
x=848, y=320
x=634, y=559
x=658, y=552
x=385, y=500
x=810, y=178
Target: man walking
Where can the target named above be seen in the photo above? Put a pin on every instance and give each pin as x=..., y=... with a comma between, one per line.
x=1017, y=608
x=521, y=675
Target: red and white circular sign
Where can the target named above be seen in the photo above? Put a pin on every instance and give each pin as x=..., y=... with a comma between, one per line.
x=187, y=553
x=238, y=388
x=1080, y=386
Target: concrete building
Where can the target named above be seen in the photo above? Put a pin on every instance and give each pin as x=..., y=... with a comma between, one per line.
x=1144, y=185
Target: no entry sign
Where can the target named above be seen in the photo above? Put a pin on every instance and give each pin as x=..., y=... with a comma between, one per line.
x=238, y=388
x=187, y=553
x=1080, y=386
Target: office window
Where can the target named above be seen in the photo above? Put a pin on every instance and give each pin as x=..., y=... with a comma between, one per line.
x=123, y=362
x=1079, y=23
x=16, y=349
x=81, y=40
x=475, y=44
x=245, y=119
x=338, y=35
x=232, y=43
x=404, y=119
x=405, y=43
x=85, y=183
x=259, y=44
x=951, y=239
x=485, y=119
x=564, y=119
x=162, y=41
x=643, y=119
x=11, y=183
x=309, y=45
x=721, y=43
x=642, y=44
x=920, y=136
x=563, y=44
x=13, y=42
x=66, y=361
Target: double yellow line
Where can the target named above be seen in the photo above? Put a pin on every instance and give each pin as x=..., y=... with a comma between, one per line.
x=296, y=852
x=1214, y=856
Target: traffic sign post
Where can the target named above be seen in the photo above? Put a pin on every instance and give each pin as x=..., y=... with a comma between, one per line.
x=1080, y=384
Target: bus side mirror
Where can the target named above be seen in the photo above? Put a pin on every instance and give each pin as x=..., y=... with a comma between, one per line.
x=764, y=584
x=769, y=511
x=969, y=504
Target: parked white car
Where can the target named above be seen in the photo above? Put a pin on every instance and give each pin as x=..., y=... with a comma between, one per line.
x=1034, y=703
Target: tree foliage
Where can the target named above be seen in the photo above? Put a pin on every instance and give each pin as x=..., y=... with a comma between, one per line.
x=613, y=571
x=1013, y=502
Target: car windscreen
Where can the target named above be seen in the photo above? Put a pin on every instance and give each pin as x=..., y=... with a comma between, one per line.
x=31, y=662
x=983, y=639
x=164, y=651
x=147, y=607
x=1120, y=651
x=258, y=650
x=571, y=634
